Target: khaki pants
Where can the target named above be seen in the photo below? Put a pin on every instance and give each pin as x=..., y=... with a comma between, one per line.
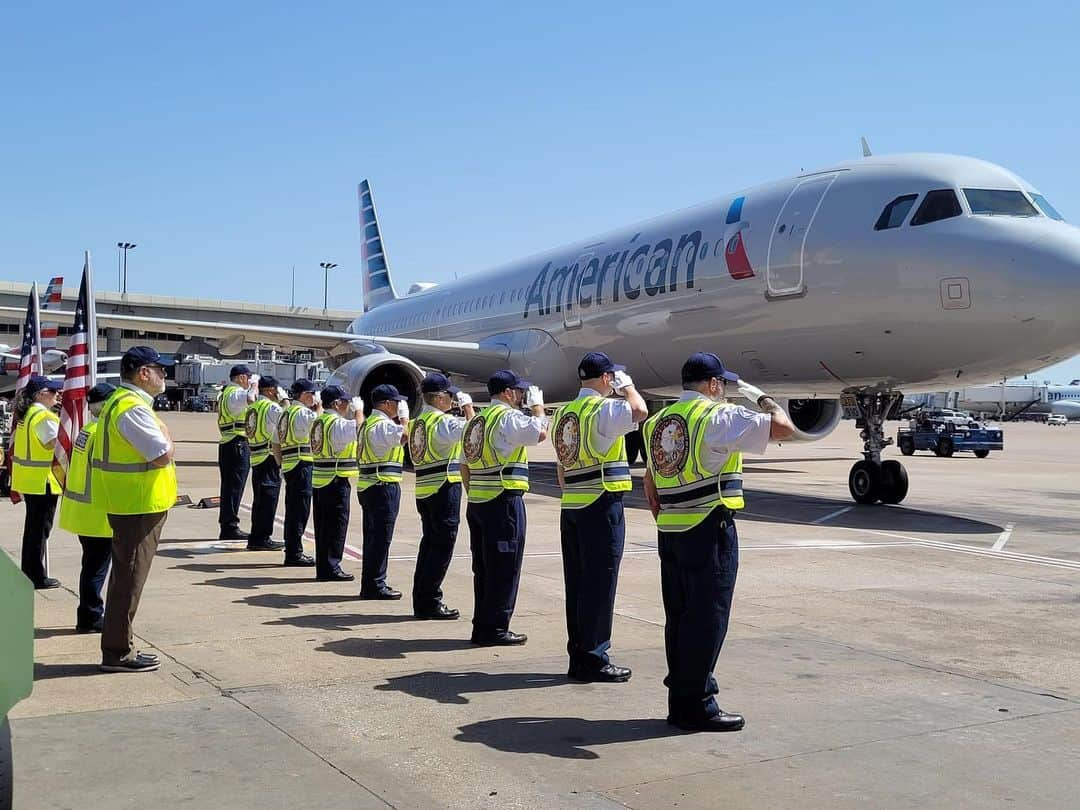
x=135, y=541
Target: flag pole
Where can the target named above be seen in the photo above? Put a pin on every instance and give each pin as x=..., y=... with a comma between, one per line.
x=37, y=330
x=91, y=320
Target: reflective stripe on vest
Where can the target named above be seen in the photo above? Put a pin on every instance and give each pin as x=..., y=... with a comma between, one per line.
x=375, y=469
x=31, y=461
x=256, y=430
x=432, y=469
x=586, y=474
x=119, y=474
x=294, y=448
x=490, y=473
x=230, y=425
x=688, y=492
x=80, y=513
x=327, y=464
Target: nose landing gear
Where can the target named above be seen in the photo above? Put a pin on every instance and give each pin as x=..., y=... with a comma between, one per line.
x=872, y=480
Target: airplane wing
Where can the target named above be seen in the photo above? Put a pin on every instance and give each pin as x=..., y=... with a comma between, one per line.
x=433, y=353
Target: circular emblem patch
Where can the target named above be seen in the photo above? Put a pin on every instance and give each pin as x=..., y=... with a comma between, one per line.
x=670, y=445
x=418, y=441
x=568, y=439
x=251, y=421
x=317, y=437
x=473, y=441
x=282, y=428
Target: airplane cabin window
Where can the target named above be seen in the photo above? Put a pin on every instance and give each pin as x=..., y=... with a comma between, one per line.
x=999, y=202
x=937, y=205
x=895, y=212
x=1046, y=207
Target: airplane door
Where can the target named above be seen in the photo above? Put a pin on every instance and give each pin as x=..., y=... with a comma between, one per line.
x=572, y=313
x=785, y=260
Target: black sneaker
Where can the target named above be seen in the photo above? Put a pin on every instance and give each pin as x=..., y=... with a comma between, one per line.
x=136, y=664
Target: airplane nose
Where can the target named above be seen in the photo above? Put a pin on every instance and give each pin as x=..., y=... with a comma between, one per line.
x=1048, y=289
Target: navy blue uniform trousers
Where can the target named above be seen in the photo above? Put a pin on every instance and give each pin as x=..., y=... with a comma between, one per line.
x=440, y=515
x=497, y=542
x=698, y=568
x=592, y=550
x=96, y=556
x=331, y=512
x=297, y=507
x=265, y=490
x=234, y=463
x=40, y=511
x=381, y=503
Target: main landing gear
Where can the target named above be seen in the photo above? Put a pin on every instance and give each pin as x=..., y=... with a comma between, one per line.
x=872, y=480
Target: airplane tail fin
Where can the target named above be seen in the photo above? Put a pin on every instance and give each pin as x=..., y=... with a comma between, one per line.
x=51, y=298
x=378, y=285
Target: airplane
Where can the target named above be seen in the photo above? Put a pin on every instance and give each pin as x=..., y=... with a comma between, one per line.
x=834, y=289
x=51, y=357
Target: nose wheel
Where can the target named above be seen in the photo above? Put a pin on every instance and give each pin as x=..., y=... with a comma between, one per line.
x=873, y=480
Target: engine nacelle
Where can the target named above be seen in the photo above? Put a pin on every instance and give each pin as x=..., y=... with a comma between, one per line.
x=359, y=375
x=813, y=418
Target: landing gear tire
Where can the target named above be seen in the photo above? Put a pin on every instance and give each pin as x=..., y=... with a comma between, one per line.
x=944, y=447
x=981, y=453
x=894, y=482
x=906, y=445
x=864, y=481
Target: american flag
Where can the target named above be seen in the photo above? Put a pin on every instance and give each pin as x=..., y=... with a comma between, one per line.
x=79, y=375
x=30, y=354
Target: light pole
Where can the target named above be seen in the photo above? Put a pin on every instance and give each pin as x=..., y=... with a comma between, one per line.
x=327, y=267
x=124, y=248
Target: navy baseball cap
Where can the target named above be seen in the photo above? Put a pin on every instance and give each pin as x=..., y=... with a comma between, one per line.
x=386, y=393
x=236, y=371
x=332, y=393
x=302, y=386
x=38, y=383
x=100, y=392
x=138, y=356
x=267, y=382
x=435, y=382
x=594, y=364
x=703, y=366
x=501, y=380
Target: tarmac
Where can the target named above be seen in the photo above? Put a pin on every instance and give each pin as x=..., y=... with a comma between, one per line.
x=922, y=655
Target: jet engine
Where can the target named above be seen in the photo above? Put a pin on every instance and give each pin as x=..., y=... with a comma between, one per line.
x=813, y=418
x=360, y=374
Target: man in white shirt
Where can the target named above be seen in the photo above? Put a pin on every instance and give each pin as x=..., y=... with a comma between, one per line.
x=292, y=448
x=260, y=425
x=333, y=442
x=234, y=460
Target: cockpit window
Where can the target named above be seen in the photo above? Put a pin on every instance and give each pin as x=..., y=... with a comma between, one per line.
x=1046, y=207
x=895, y=212
x=999, y=202
x=936, y=205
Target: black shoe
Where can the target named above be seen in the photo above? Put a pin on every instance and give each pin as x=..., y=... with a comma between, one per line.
x=504, y=638
x=609, y=673
x=386, y=592
x=722, y=722
x=336, y=576
x=440, y=611
x=233, y=534
x=265, y=545
x=96, y=627
x=46, y=584
x=303, y=561
x=136, y=664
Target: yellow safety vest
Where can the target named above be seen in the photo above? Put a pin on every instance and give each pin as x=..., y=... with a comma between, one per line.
x=432, y=469
x=675, y=441
x=294, y=447
x=490, y=473
x=80, y=513
x=126, y=481
x=586, y=473
x=31, y=467
x=230, y=425
x=375, y=469
x=328, y=465
x=257, y=431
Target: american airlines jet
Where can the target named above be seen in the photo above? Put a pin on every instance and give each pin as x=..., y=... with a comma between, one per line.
x=839, y=288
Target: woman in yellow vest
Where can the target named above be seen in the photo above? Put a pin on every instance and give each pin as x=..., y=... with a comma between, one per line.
x=32, y=475
x=694, y=488
x=84, y=516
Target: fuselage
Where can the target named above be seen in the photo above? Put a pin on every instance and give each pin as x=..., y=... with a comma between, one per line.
x=850, y=278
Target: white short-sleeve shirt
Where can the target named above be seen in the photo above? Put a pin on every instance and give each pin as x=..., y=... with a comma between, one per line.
x=140, y=427
x=614, y=419
x=517, y=429
x=305, y=418
x=448, y=431
x=384, y=435
x=730, y=430
x=47, y=429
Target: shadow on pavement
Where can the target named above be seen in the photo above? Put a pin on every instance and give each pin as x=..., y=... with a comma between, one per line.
x=254, y=582
x=563, y=737
x=221, y=568
x=391, y=648
x=451, y=687
x=286, y=601
x=53, y=632
x=339, y=621
x=45, y=672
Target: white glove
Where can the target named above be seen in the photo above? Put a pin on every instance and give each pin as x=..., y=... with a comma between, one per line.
x=403, y=412
x=534, y=396
x=621, y=382
x=752, y=393
x=253, y=381
x=462, y=399
x=282, y=394
x=356, y=405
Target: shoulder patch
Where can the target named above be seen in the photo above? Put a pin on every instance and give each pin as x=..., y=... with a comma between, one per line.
x=567, y=439
x=81, y=440
x=670, y=445
x=472, y=443
x=317, y=436
x=418, y=440
x=251, y=422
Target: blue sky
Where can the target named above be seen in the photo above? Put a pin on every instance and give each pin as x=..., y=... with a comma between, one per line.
x=226, y=139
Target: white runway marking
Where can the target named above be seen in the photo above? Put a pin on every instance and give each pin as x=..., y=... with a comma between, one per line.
x=832, y=515
x=1003, y=538
x=350, y=551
